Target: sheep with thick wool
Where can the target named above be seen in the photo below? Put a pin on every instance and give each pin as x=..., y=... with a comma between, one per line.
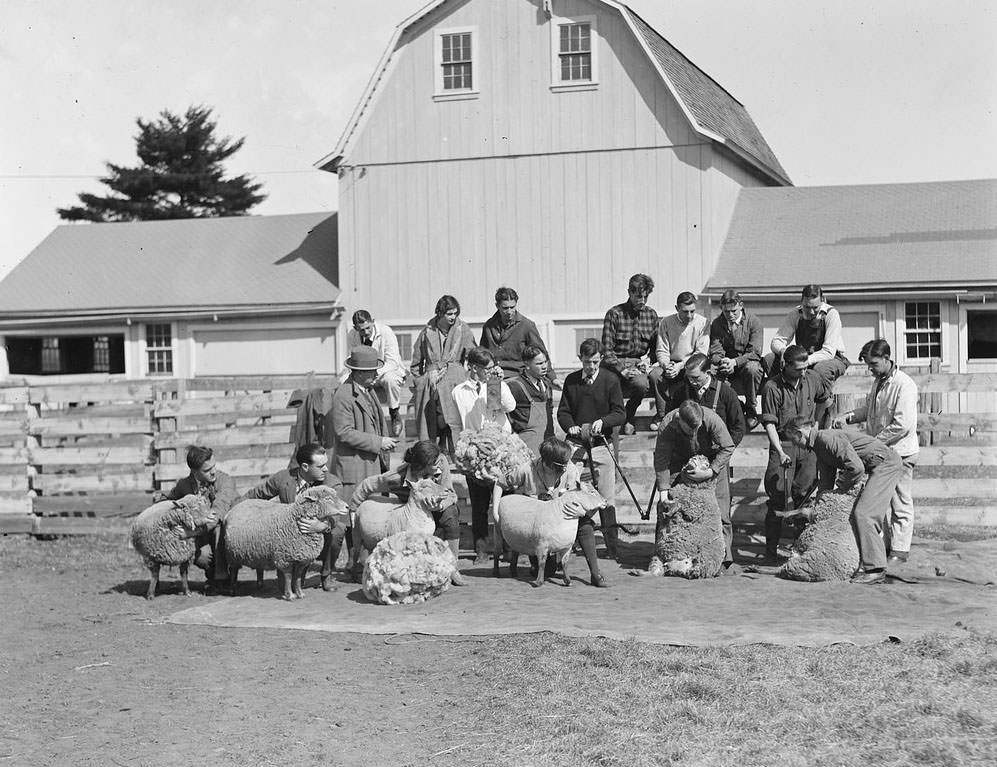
x=264, y=535
x=826, y=549
x=689, y=542
x=541, y=528
x=378, y=518
x=408, y=567
x=163, y=534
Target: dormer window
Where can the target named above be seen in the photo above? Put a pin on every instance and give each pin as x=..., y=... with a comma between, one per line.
x=455, y=53
x=574, y=53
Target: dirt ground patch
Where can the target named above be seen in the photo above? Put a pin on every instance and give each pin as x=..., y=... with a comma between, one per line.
x=93, y=675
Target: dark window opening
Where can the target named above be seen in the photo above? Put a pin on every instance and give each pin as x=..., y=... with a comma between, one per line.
x=65, y=355
x=981, y=329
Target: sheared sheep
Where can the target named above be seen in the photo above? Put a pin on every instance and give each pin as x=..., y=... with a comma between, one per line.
x=163, y=534
x=826, y=549
x=264, y=535
x=408, y=567
x=689, y=542
x=541, y=528
x=377, y=518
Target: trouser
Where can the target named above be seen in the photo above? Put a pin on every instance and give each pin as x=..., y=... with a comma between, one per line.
x=872, y=509
x=637, y=388
x=803, y=476
x=391, y=382
x=332, y=544
x=828, y=370
x=898, y=533
x=480, y=493
x=209, y=554
x=668, y=393
x=746, y=381
x=605, y=483
x=448, y=523
x=586, y=540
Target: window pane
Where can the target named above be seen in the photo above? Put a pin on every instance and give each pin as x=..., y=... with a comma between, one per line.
x=981, y=329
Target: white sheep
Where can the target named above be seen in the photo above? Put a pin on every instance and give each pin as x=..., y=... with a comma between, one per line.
x=826, y=549
x=163, y=534
x=264, y=535
x=377, y=518
x=541, y=528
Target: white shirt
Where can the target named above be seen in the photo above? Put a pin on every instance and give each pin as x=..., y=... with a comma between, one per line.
x=890, y=412
x=383, y=341
x=473, y=405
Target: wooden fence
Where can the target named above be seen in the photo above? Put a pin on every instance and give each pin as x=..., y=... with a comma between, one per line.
x=85, y=458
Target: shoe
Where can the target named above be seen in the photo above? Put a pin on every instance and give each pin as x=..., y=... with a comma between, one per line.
x=328, y=584
x=750, y=421
x=482, y=557
x=869, y=578
x=599, y=581
x=628, y=429
x=897, y=558
x=655, y=424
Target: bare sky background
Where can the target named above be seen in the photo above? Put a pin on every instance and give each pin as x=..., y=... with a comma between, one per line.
x=845, y=91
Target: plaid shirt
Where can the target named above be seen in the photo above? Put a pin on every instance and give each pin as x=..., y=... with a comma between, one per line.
x=628, y=334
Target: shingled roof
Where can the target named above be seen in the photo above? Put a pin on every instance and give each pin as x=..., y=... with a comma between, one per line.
x=200, y=263
x=877, y=237
x=711, y=109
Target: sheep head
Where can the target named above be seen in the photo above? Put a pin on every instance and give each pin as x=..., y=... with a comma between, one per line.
x=322, y=502
x=429, y=495
x=197, y=512
x=697, y=470
x=581, y=503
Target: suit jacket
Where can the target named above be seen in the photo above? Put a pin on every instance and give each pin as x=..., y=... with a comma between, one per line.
x=284, y=486
x=355, y=426
x=225, y=494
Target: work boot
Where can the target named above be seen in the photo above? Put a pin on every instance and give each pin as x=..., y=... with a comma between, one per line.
x=481, y=552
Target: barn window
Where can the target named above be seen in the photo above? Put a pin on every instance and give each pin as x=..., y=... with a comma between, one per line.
x=159, y=348
x=66, y=355
x=923, y=329
x=981, y=331
x=455, y=65
x=574, y=53
x=404, y=346
x=590, y=332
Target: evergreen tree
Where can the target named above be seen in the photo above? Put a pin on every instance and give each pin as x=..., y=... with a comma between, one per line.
x=181, y=175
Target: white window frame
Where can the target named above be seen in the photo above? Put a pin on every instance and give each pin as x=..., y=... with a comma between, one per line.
x=145, y=349
x=454, y=94
x=558, y=85
x=943, y=320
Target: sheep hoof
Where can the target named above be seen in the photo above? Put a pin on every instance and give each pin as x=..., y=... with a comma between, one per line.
x=567, y=581
x=537, y=583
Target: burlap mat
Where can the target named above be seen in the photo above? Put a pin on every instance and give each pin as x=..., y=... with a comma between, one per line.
x=944, y=587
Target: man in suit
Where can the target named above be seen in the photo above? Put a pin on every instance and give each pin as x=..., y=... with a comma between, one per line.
x=391, y=374
x=287, y=484
x=219, y=488
x=591, y=410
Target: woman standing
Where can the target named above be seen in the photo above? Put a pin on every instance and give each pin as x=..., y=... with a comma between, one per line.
x=437, y=366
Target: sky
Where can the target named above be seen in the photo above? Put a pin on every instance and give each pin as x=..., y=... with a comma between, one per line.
x=845, y=91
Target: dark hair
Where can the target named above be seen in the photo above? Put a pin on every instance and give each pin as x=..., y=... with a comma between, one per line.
x=554, y=450
x=684, y=298
x=479, y=355
x=641, y=282
x=691, y=413
x=506, y=294
x=878, y=347
x=590, y=347
x=197, y=456
x=445, y=304
x=699, y=361
x=307, y=453
x=730, y=297
x=530, y=351
x=811, y=291
x=422, y=455
x=797, y=424
x=360, y=316
x=795, y=353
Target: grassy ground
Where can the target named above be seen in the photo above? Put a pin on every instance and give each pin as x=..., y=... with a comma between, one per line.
x=91, y=675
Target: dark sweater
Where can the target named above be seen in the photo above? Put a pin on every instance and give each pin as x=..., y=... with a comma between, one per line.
x=728, y=407
x=581, y=404
x=507, y=343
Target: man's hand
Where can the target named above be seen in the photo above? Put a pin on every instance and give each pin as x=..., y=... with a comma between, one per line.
x=629, y=373
x=596, y=427
x=672, y=370
x=575, y=431
x=435, y=375
x=311, y=525
x=726, y=366
x=838, y=423
x=388, y=444
x=784, y=460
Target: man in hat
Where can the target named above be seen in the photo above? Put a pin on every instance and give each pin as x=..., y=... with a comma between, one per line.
x=355, y=425
x=391, y=376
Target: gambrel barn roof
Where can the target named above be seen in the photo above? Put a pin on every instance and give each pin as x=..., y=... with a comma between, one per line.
x=711, y=110
x=932, y=235
x=238, y=263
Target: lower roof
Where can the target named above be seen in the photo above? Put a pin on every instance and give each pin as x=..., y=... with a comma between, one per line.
x=182, y=265
x=932, y=235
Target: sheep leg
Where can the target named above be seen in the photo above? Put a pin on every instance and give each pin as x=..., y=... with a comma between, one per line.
x=541, y=564
x=184, y=586
x=356, y=567
x=513, y=564
x=153, y=581
x=259, y=580
x=284, y=581
x=297, y=579
x=564, y=566
x=233, y=577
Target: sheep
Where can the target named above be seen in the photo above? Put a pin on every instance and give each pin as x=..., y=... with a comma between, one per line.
x=408, y=567
x=264, y=535
x=826, y=549
x=541, y=528
x=689, y=542
x=163, y=534
x=377, y=518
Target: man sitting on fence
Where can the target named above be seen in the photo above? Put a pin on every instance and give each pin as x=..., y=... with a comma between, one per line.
x=391, y=375
x=890, y=415
x=736, y=351
x=219, y=488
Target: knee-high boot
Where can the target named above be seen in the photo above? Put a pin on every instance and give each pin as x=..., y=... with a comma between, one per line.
x=586, y=539
x=610, y=533
x=773, y=532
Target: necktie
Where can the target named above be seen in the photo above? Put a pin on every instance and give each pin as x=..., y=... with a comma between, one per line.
x=589, y=381
x=479, y=387
x=368, y=341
